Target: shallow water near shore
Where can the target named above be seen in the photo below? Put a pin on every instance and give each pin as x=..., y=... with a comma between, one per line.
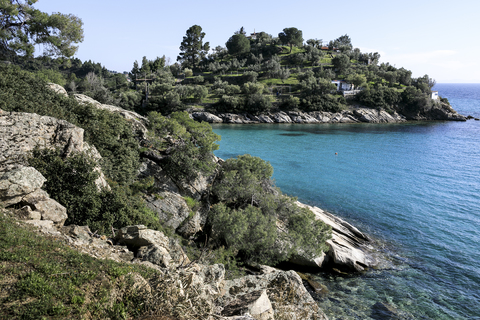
x=414, y=187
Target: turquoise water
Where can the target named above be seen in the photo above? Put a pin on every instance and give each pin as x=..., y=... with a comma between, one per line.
x=414, y=187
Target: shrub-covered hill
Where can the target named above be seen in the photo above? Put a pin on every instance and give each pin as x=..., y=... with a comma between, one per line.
x=268, y=77
x=240, y=206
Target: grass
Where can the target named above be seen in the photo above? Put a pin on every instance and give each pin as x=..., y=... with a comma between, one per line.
x=286, y=50
x=42, y=278
x=273, y=81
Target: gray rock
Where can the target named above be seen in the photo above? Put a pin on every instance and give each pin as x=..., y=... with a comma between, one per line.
x=285, y=290
x=138, y=122
x=301, y=117
x=49, y=209
x=384, y=311
x=264, y=119
x=15, y=184
x=233, y=118
x=26, y=213
x=152, y=245
x=376, y=116
x=23, y=132
x=79, y=232
x=255, y=303
x=281, y=117
x=58, y=89
x=148, y=168
x=139, y=236
x=348, y=248
x=206, y=116
x=45, y=225
x=155, y=254
x=191, y=225
x=170, y=207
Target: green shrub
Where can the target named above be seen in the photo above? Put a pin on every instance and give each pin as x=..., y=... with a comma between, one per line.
x=289, y=103
x=71, y=182
x=257, y=103
x=189, y=147
x=253, y=218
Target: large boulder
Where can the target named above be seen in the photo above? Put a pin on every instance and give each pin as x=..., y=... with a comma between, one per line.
x=23, y=132
x=152, y=246
x=58, y=89
x=206, y=116
x=285, y=292
x=21, y=186
x=349, y=248
x=256, y=304
x=16, y=184
x=170, y=207
x=167, y=202
x=49, y=209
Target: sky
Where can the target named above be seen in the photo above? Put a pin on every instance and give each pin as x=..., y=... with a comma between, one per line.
x=435, y=37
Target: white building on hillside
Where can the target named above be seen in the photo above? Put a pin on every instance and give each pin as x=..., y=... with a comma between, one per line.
x=342, y=85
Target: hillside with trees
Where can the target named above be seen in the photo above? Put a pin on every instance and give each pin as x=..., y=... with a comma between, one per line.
x=227, y=212
x=254, y=74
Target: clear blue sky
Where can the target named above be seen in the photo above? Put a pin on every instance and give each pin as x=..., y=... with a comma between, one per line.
x=439, y=38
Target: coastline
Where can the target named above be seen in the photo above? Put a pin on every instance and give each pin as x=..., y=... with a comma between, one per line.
x=356, y=115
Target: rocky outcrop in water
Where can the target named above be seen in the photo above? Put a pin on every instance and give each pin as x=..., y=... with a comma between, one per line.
x=349, y=248
x=435, y=111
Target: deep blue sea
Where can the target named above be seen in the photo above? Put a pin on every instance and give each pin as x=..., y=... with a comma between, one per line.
x=413, y=187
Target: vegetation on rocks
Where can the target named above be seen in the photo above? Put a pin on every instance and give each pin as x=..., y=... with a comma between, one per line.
x=246, y=207
x=43, y=278
x=244, y=218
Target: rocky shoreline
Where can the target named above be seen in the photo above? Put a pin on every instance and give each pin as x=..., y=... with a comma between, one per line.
x=358, y=114
x=268, y=294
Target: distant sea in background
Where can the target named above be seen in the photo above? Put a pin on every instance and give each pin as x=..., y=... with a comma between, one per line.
x=414, y=187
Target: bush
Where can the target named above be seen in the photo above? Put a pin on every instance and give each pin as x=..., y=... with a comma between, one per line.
x=252, y=88
x=250, y=76
x=290, y=103
x=189, y=148
x=257, y=103
x=229, y=104
x=188, y=72
x=252, y=217
x=71, y=182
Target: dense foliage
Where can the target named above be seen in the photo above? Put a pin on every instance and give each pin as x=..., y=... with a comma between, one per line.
x=259, y=222
x=22, y=27
x=252, y=74
x=71, y=182
x=186, y=145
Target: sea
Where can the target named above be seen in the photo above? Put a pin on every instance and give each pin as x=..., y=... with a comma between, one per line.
x=413, y=187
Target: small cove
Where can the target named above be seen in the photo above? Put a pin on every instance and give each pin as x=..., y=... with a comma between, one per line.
x=413, y=186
